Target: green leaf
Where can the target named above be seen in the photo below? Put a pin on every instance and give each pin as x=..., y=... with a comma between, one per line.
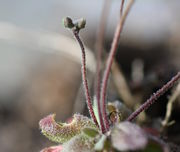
x=62, y=132
x=99, y=146
x=153, y=147
x=90, y=132
x=95, y=109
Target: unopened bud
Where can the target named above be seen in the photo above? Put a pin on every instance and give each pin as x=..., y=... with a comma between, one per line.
x=81, y=23
x=68, y=23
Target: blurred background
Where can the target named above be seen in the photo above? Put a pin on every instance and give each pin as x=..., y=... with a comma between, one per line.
x=40, y=61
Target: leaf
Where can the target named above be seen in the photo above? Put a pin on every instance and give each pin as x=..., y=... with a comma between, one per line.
x=90, y=132
x=79, y=143
x=95, y=109
x=62, y=132
x=128, y=136
x=153, y=147
x=99, y=146
x=53, y=149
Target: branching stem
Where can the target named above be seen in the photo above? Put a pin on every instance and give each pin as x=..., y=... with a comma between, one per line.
x=110, y=61
x=154, y=97
x=84, y=77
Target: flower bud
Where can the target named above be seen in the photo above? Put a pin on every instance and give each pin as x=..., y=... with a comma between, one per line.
x=68, y=23
x=81, y=23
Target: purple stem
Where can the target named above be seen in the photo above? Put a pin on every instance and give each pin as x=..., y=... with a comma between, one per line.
x=84, y=78
x=110, y=61
x=154, y=97
x=99, y=49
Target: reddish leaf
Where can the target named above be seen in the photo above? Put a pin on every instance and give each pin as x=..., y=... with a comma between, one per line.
x=53, y=149
x=63, y=132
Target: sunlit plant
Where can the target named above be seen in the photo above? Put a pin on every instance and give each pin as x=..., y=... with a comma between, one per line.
x=108, y=128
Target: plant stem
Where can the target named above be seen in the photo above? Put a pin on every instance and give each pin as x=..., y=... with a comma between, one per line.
x=169, y=107
x=110, y=60
x=99, y=49
x=154, y=97
x=121, y=9
x=84, y=78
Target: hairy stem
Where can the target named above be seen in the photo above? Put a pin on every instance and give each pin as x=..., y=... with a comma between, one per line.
x=84, y=78
x=110, y=61
x=99, y=49
x=154, y=97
